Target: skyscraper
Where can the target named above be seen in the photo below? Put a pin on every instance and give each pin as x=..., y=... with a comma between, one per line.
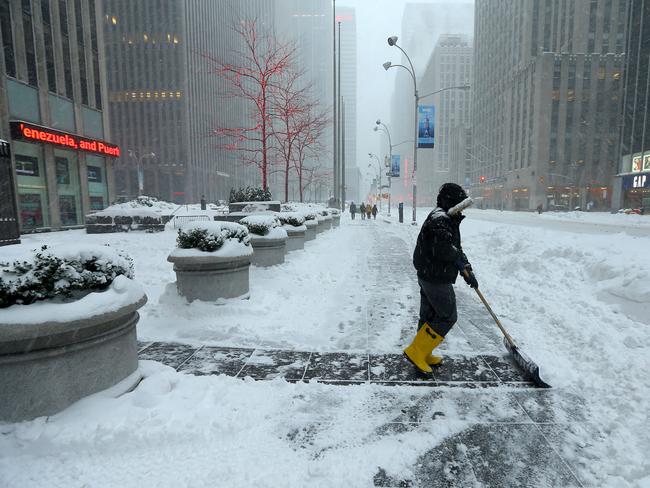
x=347, y=17
x=450, y=65
x=546, y=100
x=632, y=187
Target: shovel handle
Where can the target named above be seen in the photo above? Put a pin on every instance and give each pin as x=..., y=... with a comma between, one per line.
x=489, y=309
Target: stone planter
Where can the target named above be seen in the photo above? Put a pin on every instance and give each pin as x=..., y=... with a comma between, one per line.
x=322, y=225
x=254, y=207
x=268, y=251
x=47, y=366
x=310, y=233
x=336, y=220
x=328, y=222
x=296, y=237
x=209, y=276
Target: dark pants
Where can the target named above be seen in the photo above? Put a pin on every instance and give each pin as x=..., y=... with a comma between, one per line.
x=437, y=306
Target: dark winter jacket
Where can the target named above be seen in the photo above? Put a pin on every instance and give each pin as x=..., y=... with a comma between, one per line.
x=362, y=208
x=438, y=248
x=374, y=209
x=353, y=208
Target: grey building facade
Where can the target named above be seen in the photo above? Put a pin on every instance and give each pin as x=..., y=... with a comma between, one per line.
x=546, y=102
x=165, y=98
x=632, y=186
x=52, y=110
x=450, y=65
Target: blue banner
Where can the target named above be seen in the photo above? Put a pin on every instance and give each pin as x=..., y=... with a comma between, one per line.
x=426, y=122
x=394, y=166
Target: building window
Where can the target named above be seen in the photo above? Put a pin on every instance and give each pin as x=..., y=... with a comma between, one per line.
x=49, y=45
x=83, y=78
x=32, y=185
x=7, y=38
x=65, y=41
x=30, y=50
x=68, y=186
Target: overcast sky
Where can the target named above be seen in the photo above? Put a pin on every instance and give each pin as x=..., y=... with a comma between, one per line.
x=376, y=21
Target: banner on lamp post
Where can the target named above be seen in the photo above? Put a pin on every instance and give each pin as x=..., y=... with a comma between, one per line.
x=394, y=166
x=426, y=121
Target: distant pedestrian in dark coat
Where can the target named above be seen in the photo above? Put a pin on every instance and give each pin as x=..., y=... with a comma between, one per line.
x=353, y=210
x=362, y=209
x=374, y=212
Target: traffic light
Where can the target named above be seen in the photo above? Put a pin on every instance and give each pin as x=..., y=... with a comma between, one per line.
x=481, y=179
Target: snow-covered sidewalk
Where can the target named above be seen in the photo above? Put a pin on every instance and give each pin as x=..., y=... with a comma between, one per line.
x=574, y=301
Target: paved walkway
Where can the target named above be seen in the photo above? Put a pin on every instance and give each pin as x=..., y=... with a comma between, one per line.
x=503, y=431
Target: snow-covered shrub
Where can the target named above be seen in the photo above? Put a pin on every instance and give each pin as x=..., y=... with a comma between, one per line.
x=335, y=212
x=324, y=212
x=294, y=219
x=260, y=225
x=210, y=236
x=250, y=194
x=288, y=207
x=309, y=215
x=48, y=274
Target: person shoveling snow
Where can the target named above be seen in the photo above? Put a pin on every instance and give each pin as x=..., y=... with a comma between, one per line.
x=438, y=256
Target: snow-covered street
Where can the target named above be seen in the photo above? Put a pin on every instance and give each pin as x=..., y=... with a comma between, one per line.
x=572, y=289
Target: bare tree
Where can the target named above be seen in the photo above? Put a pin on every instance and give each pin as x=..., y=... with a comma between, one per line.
x=260, y=63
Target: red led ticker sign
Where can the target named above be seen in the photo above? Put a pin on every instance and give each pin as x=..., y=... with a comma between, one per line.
x=31, y=132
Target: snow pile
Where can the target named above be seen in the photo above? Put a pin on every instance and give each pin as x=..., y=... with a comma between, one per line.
x=211, y=236
x=198, y=431
x=120, y=293
x=142, y=206
x=59, y=272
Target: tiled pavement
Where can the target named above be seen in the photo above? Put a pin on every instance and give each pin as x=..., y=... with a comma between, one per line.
x=505, y=433
x=335, y=367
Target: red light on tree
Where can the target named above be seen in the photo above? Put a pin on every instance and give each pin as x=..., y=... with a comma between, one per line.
x=481, y=179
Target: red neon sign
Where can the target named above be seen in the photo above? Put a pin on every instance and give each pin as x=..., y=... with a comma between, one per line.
x=32, y=132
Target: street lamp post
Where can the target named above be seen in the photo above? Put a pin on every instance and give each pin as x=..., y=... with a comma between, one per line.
x=379, y=168
x=140, y=169
x=390, y=159
x=392, y=41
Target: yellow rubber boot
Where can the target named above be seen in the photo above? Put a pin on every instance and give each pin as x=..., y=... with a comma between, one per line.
x=433, y=360
x=426, y=340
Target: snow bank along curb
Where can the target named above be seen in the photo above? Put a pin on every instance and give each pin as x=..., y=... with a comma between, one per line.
x=143, y=213
x=221, y=270
x=46, y=365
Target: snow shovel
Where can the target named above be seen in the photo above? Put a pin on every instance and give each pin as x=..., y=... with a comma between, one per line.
x=530, y=369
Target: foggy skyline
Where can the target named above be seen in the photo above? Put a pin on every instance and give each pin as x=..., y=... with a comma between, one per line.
x=376, y=21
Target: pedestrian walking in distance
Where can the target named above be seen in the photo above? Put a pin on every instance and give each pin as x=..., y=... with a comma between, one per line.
x=374, y=212
x=438, y=257
x=353, y=210
x=362, y=209
x=368, y=211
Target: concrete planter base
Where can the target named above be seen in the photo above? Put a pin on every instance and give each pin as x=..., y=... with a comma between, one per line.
x=268, y=252
x=46, y=367
x=208, y=277
x=336, y=221
x=296, y=239
x=310, y=234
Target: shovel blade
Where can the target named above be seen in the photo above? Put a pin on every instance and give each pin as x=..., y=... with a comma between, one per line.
x=527, y=365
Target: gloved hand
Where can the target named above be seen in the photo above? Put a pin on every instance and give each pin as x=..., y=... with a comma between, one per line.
x=468, y=276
